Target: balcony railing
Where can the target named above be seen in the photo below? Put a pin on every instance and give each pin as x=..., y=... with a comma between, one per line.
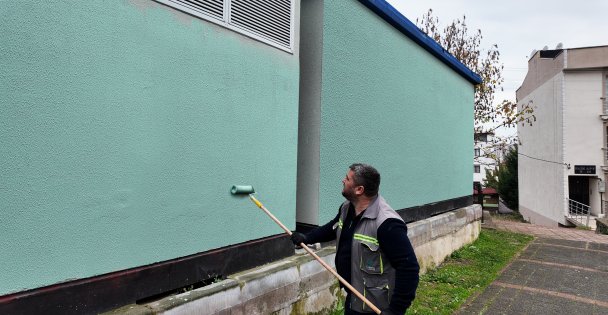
x=578, y=213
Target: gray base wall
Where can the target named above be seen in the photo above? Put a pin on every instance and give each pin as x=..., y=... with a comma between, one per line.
x=539, y=219
x=300, y=285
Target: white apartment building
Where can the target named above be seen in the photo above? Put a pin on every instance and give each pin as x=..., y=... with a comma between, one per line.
x=487, y=153
x=563, y=157
x=482, y=162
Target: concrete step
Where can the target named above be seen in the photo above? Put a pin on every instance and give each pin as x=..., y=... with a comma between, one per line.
x=581, y=220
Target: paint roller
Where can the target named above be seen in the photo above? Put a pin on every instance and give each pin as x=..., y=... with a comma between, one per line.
x=248, y=190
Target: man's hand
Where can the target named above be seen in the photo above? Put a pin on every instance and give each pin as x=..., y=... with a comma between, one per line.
x=388, y=312
x=298, y=238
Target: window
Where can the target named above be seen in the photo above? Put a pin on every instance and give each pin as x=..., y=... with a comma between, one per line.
x=477, y=152
x=606, y=146
x=605, y=97
x=481, y=137
x=269, y=21
x=477, y=169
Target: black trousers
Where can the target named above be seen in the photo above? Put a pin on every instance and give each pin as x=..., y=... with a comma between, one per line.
x=347, y=310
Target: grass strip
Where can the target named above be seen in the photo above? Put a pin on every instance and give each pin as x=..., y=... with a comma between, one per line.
x=467, y=271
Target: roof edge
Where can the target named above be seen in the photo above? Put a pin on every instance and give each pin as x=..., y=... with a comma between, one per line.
x=409, y=29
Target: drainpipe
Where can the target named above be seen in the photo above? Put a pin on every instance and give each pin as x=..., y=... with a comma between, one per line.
x=601, y=188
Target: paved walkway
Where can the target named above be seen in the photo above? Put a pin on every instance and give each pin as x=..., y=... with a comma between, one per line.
x=563, y=271
x=551, y=232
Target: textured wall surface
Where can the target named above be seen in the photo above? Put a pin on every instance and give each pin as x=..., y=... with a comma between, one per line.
x=543, y=186
x=123, y=126
x=583, y=131
x=311, y=39
x=388, y=102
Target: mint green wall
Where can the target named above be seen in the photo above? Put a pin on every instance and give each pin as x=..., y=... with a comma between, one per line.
x=123, y=126
x=387, y=102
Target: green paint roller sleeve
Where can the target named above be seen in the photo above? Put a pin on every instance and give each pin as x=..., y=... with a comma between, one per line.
x=242, y=189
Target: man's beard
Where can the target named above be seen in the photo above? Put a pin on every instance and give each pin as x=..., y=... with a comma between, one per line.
x=348, y=195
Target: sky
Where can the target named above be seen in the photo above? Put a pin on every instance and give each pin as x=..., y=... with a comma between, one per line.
x=519, y=26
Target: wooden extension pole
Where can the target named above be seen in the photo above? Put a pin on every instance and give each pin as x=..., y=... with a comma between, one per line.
x=306, y=248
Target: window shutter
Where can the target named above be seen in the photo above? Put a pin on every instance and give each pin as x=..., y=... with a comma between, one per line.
x=214, y=8
x=270, y=19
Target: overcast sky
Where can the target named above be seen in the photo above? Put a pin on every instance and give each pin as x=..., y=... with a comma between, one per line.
x=519, y=26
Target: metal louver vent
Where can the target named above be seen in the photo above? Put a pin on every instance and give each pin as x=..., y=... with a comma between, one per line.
x=214, y=8
x=269, y=19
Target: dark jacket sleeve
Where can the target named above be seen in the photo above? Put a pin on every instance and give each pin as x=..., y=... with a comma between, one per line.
x=392, y=236
x=324, y=233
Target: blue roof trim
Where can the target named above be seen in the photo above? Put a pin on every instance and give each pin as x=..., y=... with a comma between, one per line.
x=405, y=26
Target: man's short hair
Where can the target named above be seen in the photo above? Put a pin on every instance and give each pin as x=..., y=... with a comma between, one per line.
x=367, y=176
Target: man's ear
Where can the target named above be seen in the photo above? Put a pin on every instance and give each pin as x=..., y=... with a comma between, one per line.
x=359, y=190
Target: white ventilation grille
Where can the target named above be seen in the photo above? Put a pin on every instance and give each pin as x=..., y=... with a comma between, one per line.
x=270, y=19
x=214, y=8
x=266, y=20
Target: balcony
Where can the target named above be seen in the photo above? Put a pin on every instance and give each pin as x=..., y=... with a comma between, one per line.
x=604, y=114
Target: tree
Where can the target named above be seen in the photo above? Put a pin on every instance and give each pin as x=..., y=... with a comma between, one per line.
x=456, y=39
x=504, y=179
x=491, y=179
x=507, y=180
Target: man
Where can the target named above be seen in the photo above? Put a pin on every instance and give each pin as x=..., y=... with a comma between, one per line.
x=373, y=252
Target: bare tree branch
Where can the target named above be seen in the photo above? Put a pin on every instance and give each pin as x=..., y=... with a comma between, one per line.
x=456, y=39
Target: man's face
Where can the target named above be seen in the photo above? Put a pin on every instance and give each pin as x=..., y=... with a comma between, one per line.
x=350, y=190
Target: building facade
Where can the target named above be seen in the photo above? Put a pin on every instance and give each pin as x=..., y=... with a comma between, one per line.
x=485, y=154
x=377, y=89
x=562, y=156
x=125, y=123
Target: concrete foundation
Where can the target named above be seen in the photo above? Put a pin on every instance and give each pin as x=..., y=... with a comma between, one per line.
x=538, y=218
x=300, y=285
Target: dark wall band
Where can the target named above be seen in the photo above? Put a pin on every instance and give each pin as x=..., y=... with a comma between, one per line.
x=103, y=293
x=416, y=213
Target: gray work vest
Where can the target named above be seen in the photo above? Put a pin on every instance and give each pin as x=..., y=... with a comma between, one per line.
x=371, y=272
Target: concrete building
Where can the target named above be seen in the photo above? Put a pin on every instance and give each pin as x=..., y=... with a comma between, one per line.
x=562, y=157
x=485, y=154
x=124, y=125
x=377, y=89
x=488, y=152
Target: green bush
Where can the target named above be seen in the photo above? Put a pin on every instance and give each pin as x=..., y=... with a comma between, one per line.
x=507, y=180
x=602, y=226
